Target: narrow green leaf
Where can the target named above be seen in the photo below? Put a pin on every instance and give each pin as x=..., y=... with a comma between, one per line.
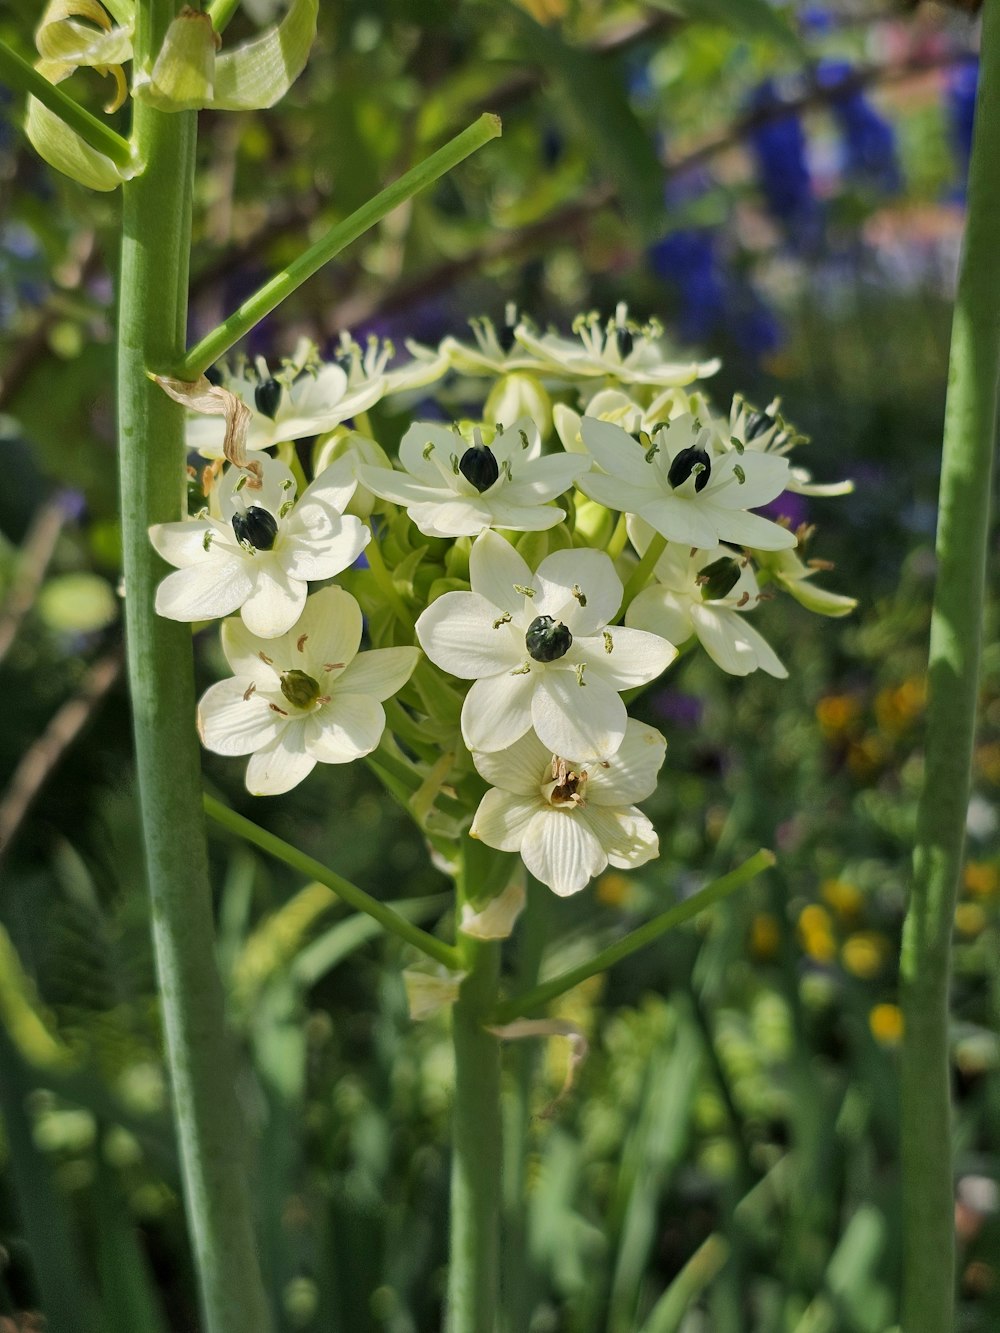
x=260, y=72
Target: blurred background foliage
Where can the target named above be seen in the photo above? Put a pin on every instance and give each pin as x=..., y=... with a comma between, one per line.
x=783, y=185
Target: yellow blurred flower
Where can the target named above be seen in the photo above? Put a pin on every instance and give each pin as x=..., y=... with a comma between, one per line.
x=988, y=762
x=614, y=890
x=816, y=934
x=765, y=936
x=981, y=879
x=836, y=712
x=845, y=898
x=970, y=919
x=864, y=953
x=866, y=756
x=896, y=708
x=886, y=1023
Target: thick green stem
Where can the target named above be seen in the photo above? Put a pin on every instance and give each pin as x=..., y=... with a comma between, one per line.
x=641, y=574
x=156, y=209
x=17, y=73
x=474, y=1272
x=963, y=527
x=263, y=301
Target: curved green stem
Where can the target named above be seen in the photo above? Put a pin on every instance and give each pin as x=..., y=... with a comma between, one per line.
x=343, y=888
x=474, y=1270
x=963, y=527
x=640, y=575
x=18, y=73
x=156, y=222
x=263, y=301
x=636, y=939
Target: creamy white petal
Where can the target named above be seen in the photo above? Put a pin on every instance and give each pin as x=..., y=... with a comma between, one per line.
x=631, y=772
x=236, y=490
x=280, y=766
x=734, y=645
x=205, y=435
x=246, y=654
x=521, y=768
x=321, y=544
x=205, y=591
x=380, y=673
x=502, y=819
x=680, y=520
x=183, y=544
x=400, y=488
x=329, y=631
x=456, y=516
x=590, y=571
x=231, y=723
x=497, y=711
x=460, y=633
x=415, y=455
x=626, y=835
x=495, y=569
x=574, y=719
x=617, y=452
x=614, y=493
x=523, y=518
x=544, y=478
x=276, y=601
x=636, y=656
x=733, y=525
x=562, y=852
x=661, y=611
x=349, y=726
x=765, y=477
x=333, y=486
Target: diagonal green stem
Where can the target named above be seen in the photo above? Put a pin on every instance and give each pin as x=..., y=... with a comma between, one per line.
x=636, y=939
x=956, y=626
x=640, y=575
x=156, y=233
x=17, y=73
x=273, y=292
x=343, y=888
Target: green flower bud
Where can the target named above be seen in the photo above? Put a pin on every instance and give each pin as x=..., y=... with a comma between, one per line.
x=299, y=689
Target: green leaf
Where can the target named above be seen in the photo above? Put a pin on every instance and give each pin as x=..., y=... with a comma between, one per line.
x=62, y=148
x=752, y=18
x=592, y=99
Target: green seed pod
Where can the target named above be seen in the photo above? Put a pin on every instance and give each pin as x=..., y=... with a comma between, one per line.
x=479, y=466
x=256, y=527
x=685, y=463
x=266, y=397
x=547, y=639
x=299, y=689
x=719, y=578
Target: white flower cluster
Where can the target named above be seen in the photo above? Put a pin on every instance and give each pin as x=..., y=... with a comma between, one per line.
x=546, y=557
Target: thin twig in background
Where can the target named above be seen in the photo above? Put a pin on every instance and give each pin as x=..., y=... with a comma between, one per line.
x=33, y=560
x=42, y=758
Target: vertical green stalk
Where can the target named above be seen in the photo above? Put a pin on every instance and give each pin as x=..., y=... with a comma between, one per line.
x=473, y=1278
x=152, y=316
x=963, y=523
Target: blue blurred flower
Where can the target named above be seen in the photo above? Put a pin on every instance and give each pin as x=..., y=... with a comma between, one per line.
x=869, y=140
x=961, y=106
x=687, y=259
x=778, y=144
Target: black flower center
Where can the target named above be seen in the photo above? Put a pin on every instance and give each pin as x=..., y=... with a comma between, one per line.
x=266, y=397
x=255, y=527
x=718, y=579
x=756, y=424
x=624, y=340
x=547, y=639
x=299, y=689
x=478, y=466
x=690, y=461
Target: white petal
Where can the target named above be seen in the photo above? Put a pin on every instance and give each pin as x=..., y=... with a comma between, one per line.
x=205, y=435
x=613, y=493
x=544, y=478
x=402, y=489
x=576, y=720
x=183, y=544
x=276, y=486
x=320, y=543
x=457, y=633
x=631, y=772
x=680, y=520
x=205, y=591
x=590, y=571
x=765, y=477
x=627, y=836
x=280, y=766
x=636, y=656
x=497, y=711
x=662, y=612
x=245, y=653
x=521, y=768
x=494, y=570
x=734, y=645
x=414, y=443
x=230, y=723
x=751, y=530
x=275, y=603
x=334, y=486
x=617, y=452
x=523, y=518
x=456, y=516
x=502, y=819
x=349, y=726
x=380, y=673
x=562, y=852
x=329, y=631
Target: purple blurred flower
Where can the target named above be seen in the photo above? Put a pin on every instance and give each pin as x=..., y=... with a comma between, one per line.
x=683, y=710
x=789, y=505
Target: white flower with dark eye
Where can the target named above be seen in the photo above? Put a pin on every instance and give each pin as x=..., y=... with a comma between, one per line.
x=767, y=432
x=705, y=593
x=260, y=554
x=570, y=818
x=497, y=350
x=619, y=349
x=794, y=575
x=305, y=397
x=304, y=698
x=370, y=365
x=685, y=490
x=541, y=649
x=453, y=488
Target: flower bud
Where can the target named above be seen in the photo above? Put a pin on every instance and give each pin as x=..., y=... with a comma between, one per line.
x=299, y=689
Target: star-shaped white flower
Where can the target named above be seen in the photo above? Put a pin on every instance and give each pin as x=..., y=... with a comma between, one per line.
x=540, y=649
x=497, y=350
x=618, y=349
x=455, y=489
x=570, y=818
x=768, y=432
x=685, y=490
x=370, y=364
x=305, y=397
x=304, y=698
x=705, y=593
x=260, y=554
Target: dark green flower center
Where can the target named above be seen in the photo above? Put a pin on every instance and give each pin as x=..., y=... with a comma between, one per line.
x=718, y=579
x=547, y=639
x=624, y=340
x=255, y=527
x=690, y=461
x=299, y=689
x=756, y=424
x=479, y=466
x=266, y=397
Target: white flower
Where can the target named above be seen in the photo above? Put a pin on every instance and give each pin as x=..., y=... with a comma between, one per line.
x=260, y=554
x=540, y=649
x=497, y=350
x=307, y=697
x=704, y=593
x=453, y=489
x=570, y=818
x=369, y=365
x=619, y=349
x=617, y=406
x=768, y=432
x=305, y=397
x=682, y=488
